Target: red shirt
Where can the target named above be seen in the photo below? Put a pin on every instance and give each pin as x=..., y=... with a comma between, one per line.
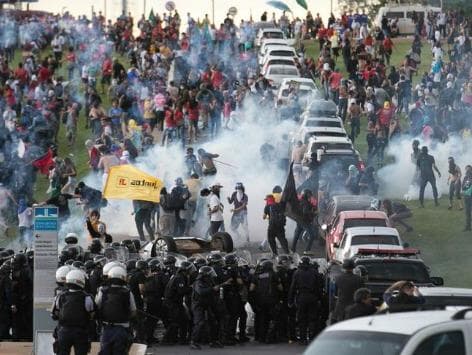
x=22, y=75
x=216, y=78
x=169, y=119
x=192, y=113
x=70, y=57
x=387, y=43
x=43, y=74
x=178, y=117
x=335, y=80
x=107, y=67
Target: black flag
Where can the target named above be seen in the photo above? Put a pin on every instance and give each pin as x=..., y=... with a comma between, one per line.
x=290, y=198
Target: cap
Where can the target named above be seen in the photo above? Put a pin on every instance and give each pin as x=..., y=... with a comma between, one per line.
x=217, y=185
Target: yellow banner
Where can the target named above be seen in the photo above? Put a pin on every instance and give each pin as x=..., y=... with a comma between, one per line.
x=125, y=182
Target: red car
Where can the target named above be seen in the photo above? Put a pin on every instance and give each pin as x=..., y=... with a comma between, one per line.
x=348, y=219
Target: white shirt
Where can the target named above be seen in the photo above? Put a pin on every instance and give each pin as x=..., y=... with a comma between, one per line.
x=213, y=202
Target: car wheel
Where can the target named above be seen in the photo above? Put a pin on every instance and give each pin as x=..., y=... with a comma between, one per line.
x=222, y=241
x=164, y=244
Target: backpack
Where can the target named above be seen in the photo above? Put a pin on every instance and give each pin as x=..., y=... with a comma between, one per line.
x=178, y=196
x=277, y=215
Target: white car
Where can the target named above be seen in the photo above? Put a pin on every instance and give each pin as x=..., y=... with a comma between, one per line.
x=268, y=33
x=306, y=88
x=319, y=126
x=276, y=73
x=446, y=332
x=276, y=61
x=356, y=238
x=315, y=144
x=277, y=51
x=267, y=42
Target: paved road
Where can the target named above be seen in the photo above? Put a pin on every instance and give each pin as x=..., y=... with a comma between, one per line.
x=246, y=349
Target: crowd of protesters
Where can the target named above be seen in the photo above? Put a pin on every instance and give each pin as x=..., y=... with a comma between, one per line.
x=179, y=83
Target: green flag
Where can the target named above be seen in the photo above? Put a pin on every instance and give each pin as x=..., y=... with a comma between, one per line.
x=303, y=4
x=152, y=18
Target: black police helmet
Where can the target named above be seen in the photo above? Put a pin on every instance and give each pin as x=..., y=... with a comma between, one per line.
x=200, y=262
x=207, y=271
x=267, y=265
x=89, y=265
x=130, y=265
x=348, y=264
x=154, y=265
x=142, y=265
x=169, y=260
x=305, y=261
x=231, y=260
x=187, y=266
x=18, y=261
x=215, y=259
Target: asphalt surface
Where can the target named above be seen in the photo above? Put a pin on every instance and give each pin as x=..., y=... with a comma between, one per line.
x=248, y=348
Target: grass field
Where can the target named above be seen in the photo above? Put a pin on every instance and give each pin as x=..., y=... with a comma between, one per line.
x=437, y=231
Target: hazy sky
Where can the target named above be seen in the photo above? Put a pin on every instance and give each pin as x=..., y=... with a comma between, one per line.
x=197, y=8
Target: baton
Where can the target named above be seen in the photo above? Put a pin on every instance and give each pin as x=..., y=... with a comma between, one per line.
x=220, y=162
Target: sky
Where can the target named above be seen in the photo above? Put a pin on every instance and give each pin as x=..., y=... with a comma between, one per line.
x=197, y=8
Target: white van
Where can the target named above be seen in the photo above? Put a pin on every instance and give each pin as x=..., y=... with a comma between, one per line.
x=404, y=14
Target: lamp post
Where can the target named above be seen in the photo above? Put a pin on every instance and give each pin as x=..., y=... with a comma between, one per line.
x=213, y=11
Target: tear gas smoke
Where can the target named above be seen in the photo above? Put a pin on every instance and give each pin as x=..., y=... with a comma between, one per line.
x=396, y=180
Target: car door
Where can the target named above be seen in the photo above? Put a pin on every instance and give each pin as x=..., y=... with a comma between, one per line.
x=451, y=338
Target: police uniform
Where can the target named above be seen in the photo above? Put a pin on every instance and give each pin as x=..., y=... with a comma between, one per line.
x=177, y=288
x=115, y=305
x=305, y=292
x=73, y=309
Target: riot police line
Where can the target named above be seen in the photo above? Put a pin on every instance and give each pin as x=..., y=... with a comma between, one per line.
x=167, y=299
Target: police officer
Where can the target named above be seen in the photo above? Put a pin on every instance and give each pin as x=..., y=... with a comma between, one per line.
x=169, y=269
x=73, y=308
x=116, y=307
x=61, y=274
x=5, y=296
x=177, y=288
x=153, y=294
x=21, y=298
x=345, y=285
x=96, y=275
x=136, y=284
x=285, y=324
x=305, y=293
x=233, y=294
x=204, y=295
x=217, y=262
x=264, y=293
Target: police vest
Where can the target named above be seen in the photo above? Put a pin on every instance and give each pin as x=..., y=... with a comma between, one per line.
x=72, y=312
x=115, y=307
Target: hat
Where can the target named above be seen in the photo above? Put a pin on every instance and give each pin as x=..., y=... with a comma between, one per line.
x=217, y=185
x=179, y=181
x=34, y=77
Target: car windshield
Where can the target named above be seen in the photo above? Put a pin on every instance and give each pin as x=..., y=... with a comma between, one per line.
x=319, y=123
x=392, y=270
x=324, y=113
x=274, y=35
x=375, y=239
x=327, y=134
x=283, y=71
x=364, y=222
x=280, y=62
x=348, y=342
x=330, y=146
x=281, y=53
